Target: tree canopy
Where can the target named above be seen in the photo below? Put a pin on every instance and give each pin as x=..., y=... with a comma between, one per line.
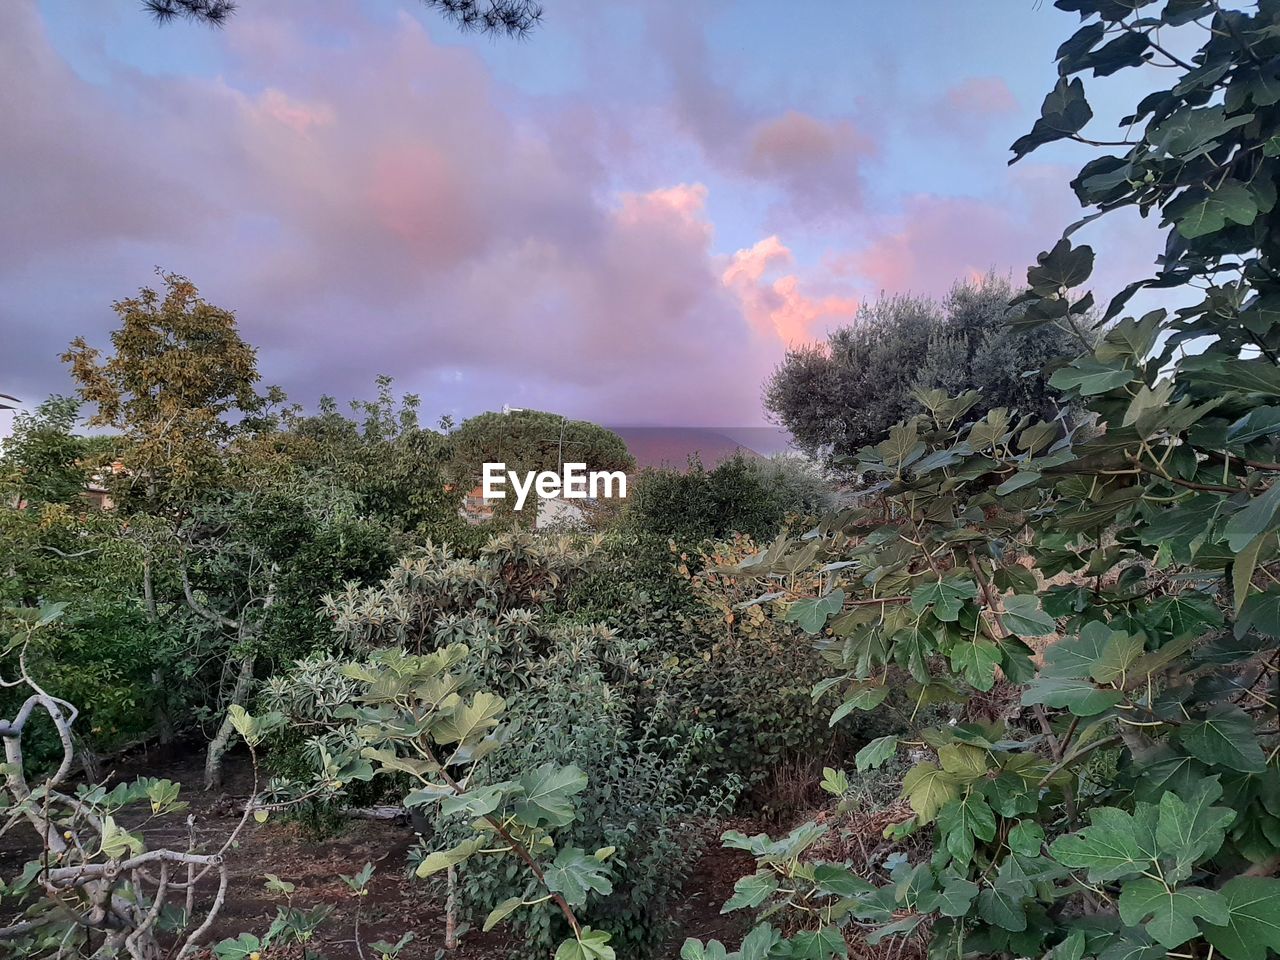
x=533, y=440
x=180, y=384
x=836, y=397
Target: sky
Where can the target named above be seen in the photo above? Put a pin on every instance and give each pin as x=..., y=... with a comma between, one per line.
x=627, y=217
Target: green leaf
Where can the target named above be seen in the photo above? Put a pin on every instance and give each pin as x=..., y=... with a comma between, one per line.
x=1003, y=909
x=956, y=897
x=946, y=597
x=751, y=891
x=812, y=613
x=1115, y=845
x=1190, y=830
x=163, y=795
x=1250, y=376
x=439, y=860
x=965, y=762
x=834, y=782
x=49, y=612
x=1243, y=568
x=875, y=753
x=1188, y=130
x=1072, y=948
x=1065, y=111
x=1079, y=696
x=1260, y=612
x=239, y=948
x=467, y=721
x=1022, y=615
x=862, y=696
x=1088, y=377
x=822, y=944
x=1172, y=911
x=902, y=447
x=1257, y=423
x=474, y=803
x=1253, y=923
x=898, y=928
x=1255, y=519
x=927, y=788
x=244, y=724
x=573, y=874
x=275, y=885
x=118, y=843
x=976, y=661
x=1200, y=212
x=1075, y=657
x=839, y=881
x=547, y=793
x=759, y=943
x=591, y=945
x=1026, y=838
x=1224, y=738
x=1119, y=653
x=963, y=820
x=696, y=950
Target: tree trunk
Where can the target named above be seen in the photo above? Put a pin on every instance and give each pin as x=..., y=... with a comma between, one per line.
x=164, y=728
x=89, y=761
x=451, y=912
x=218, y=745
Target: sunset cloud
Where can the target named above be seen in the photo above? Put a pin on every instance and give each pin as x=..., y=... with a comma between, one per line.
x=778, y=307
x=371, y=194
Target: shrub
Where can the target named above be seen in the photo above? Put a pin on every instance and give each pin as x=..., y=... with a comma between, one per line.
x=647, y=797
x=739, y=495
x=578, y=694
x=709, y=658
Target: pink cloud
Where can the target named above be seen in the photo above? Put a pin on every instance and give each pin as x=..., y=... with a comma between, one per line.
x=375, y=209
x=935, y=240
x=274, y=105
x=817, y=163
x=980, y=95
x=684, y=201
x=974, y=107
x=418, y=196
x=377, y=205
x=779, y=308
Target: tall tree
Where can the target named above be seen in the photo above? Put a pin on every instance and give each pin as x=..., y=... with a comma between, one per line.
x=739, y=495
x=180, y=385
x=836, y=397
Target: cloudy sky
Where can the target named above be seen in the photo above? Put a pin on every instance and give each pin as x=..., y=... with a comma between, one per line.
x=626, y=217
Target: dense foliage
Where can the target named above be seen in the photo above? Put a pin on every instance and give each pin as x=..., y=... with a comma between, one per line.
x=1124, y=804
x=836, y=397
x=1048, y=613
x=738, y=495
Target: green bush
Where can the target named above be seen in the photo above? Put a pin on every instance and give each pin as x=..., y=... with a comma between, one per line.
x=706, y=661
x=647, y=796
x=738, y=495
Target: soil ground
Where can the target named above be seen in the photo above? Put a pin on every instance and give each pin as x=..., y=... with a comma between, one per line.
x=396, y=901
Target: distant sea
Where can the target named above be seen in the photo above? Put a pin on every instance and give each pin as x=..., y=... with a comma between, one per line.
x=673, y=446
